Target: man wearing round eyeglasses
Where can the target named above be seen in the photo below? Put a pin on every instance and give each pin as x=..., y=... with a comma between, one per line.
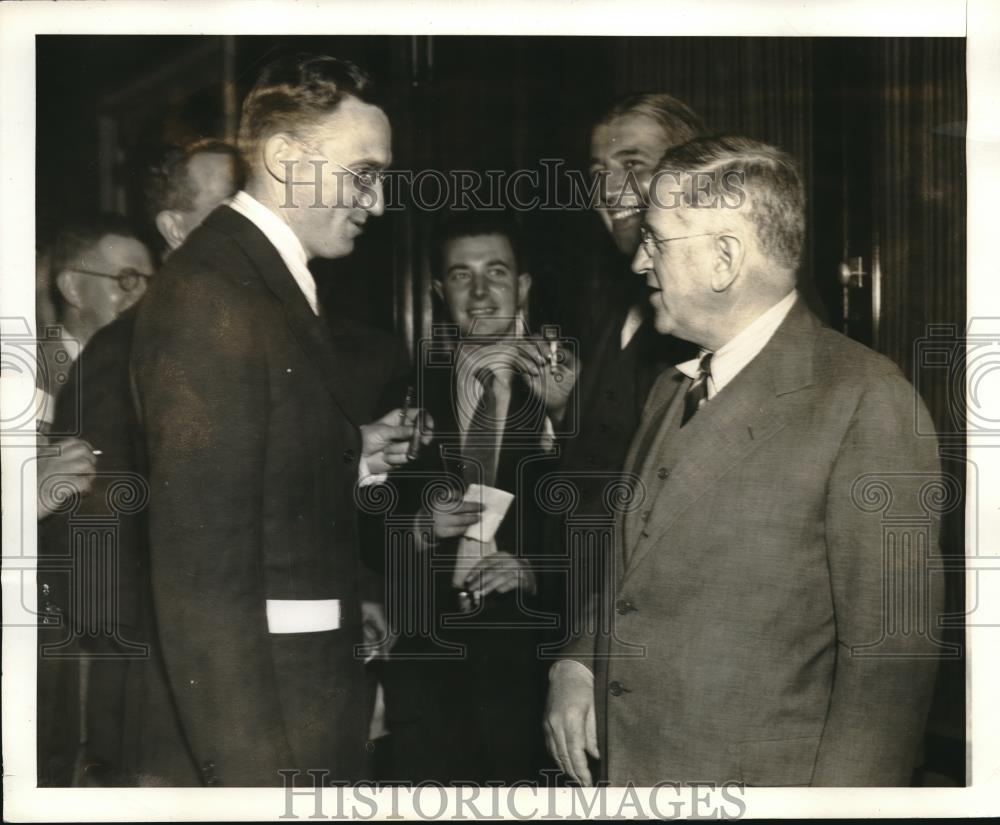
x=97, y=269
x=99, y=273
x=751, y=637
x=256, y=411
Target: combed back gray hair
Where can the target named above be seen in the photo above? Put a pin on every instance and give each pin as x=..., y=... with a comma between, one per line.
x=293, y=93
x=677, y=120
x=768, y=178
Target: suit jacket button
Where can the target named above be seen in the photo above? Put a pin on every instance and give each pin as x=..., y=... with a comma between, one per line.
x=662, y=473
x=349, y=456
x=616, y=688
x=623, y=606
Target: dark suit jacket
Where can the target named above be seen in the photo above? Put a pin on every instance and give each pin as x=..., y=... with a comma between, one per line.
x=251, y=411
x=464, y=694
x=751, y=639
x=603, y=415
x=104, y=605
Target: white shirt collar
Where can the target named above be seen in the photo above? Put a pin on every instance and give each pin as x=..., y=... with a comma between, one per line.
x=631, y=326
x=283, y=239
x=740, y=350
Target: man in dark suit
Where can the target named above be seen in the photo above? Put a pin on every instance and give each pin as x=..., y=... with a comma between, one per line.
x=184, y=185
x=620, y=351
x=464, y=687
x=254, y=411
x=755, y=632
x=98, y=269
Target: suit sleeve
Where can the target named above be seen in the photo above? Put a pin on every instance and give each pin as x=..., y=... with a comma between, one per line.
x=202, y=390
x=396, y=374
x=885, y=666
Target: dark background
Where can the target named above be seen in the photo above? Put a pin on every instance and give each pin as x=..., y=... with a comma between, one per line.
x=878, y=126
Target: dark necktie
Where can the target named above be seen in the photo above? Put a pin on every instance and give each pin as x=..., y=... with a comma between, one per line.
x=697, y=393
x=480, y=441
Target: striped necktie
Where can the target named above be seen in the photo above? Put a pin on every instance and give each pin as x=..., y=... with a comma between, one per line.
x=481, y=439
x=697, y=393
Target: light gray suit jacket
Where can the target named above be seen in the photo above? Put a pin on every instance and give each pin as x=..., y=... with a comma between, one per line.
x=772, y=618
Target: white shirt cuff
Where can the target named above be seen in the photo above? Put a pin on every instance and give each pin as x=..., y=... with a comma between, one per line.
x=568, y=664
x=365, y=477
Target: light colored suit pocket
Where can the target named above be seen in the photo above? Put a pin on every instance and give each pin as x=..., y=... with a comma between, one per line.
x=778, y=762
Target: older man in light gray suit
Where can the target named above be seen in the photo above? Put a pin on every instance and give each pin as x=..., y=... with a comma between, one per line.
x=765, y=625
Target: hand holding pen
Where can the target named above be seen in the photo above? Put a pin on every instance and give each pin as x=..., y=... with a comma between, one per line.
x=394, y=440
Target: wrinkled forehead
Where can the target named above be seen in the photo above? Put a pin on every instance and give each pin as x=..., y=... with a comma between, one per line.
x=693, y=194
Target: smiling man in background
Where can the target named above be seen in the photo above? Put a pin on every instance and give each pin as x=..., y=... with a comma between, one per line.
x=621, y=354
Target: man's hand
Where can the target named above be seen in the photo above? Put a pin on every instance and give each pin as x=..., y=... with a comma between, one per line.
x=452, y=516
x=570, y=720
x=384, y=443
x=550, y=377
x=75, y=466
x=554, y=383
x=501, y=572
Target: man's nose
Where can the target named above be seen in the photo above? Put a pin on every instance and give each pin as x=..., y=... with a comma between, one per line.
x=614, y=186
x=641, y=263
x=376, y=199
x=479, y=285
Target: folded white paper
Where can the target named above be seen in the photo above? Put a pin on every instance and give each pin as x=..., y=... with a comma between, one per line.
x=496, y=502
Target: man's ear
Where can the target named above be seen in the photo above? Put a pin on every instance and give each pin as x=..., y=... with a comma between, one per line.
x=170, y=225
x=66, y=284
x=281, y=156
x=523, y=290
x=729, y=253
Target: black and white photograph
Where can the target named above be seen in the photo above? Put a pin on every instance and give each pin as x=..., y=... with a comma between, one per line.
x=429, y=413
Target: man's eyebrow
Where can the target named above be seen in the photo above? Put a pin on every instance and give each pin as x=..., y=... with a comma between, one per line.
x=627, y=152
x=493, y=262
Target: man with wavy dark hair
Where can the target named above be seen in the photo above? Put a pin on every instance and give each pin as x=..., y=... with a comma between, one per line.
x=253, y=410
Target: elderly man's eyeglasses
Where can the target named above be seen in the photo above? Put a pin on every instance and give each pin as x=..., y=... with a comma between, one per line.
x=128, y=278
x=651, y=243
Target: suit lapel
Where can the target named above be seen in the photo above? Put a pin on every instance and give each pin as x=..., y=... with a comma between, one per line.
x=333, y=360
x=730, y=427
x=664, y=390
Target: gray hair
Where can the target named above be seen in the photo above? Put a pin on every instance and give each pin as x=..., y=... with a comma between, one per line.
x=770, y=184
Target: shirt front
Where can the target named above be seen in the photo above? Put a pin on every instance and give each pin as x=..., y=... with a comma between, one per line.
x=730, y=359
x=283, y=239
